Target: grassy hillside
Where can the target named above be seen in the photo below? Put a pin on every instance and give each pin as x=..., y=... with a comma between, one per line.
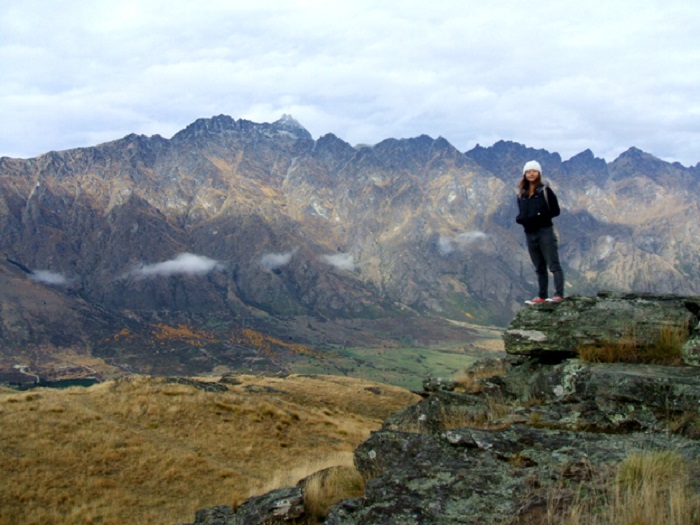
x=142, y=450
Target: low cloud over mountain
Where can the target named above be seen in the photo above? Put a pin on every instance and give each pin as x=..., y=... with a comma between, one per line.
x=273, y=261
x=342, y=261
x=461, y=241
x=182, y=264
x=47, y=277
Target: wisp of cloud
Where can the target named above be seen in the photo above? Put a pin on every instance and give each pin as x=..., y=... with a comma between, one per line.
x=446, y=245
x=47, y=277
x=273, y=261
x=184, y=263
x=342, y=261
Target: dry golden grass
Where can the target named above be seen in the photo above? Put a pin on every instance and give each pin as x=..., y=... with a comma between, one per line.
x=666, y=350
x=144, y=451
x=648, y=489
x=326, y=488
x=686, y=423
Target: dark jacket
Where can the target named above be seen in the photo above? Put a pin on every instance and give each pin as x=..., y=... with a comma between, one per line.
x=536, y=212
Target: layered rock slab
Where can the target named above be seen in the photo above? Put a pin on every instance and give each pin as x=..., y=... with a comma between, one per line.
x=554, y=331
x=470, y=476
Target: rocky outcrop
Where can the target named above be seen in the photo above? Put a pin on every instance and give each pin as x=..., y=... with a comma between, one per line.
x=278, y=506
x=535, y=429
x=480, y=477
x=552, y=332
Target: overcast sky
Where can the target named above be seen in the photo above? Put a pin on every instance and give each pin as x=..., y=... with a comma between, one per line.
x=560, y=75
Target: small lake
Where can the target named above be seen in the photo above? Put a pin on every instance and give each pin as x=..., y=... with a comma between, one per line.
x=61, y=383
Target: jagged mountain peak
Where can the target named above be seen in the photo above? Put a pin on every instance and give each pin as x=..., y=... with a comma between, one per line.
x=401, y=154
x=289, y=123
x=139, y=142
x=505, y=159
x=586, y=164
x=140, y=138
x=417, y=150
x=221, y=124
x=332, y=150
x=217, y=124
x=422, y=142
x=634, y=151
x=585, y=155
x=634, y=162
x=330, y=138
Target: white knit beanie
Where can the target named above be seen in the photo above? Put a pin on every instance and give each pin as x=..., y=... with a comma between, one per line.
x=532, y=165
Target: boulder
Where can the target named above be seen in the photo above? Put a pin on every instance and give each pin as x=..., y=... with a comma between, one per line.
x=556, y=331
x=691, y=348
x=611, y=397
x=436, y=384
x=278, y=506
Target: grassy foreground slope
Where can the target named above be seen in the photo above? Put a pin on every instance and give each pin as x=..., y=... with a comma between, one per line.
x=142, y=450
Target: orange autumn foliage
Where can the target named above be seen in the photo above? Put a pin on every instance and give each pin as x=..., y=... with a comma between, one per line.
x=268, y=345
x=164, y=332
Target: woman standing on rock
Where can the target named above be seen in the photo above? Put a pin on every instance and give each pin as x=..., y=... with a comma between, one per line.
x=537, y=205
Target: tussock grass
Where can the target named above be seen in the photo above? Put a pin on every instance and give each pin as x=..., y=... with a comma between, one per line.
x=686, y=424
x=326, y=480
x=469, y=381
x=325, y=488
x=486, y=416
x=141, y=450
x=647, y=489
x=666, y=349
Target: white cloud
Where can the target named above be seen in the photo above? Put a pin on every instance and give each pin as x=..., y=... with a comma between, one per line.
x=467, y=238
x=272, y=261
x=605, y=246
x=342, y=261
x=446, y=245
x=184, y=263
x=47, y=277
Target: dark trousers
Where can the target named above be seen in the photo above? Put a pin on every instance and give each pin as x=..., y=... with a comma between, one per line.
x=543, y=246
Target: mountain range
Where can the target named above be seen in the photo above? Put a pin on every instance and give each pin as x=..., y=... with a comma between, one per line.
x=241, y=244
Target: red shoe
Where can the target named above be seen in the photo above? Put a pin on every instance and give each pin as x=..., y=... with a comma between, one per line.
x=536, y=300
x=556, y=299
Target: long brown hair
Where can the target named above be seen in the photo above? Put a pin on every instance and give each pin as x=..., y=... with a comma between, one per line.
x=529, y=189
